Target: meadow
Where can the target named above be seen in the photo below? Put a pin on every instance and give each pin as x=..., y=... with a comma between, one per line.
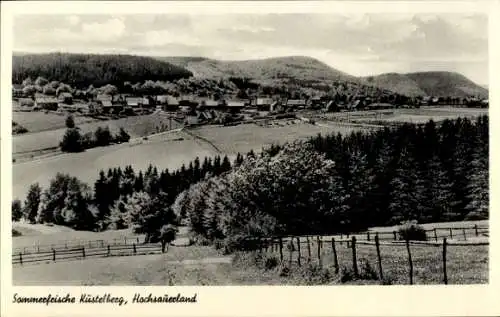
x=169, y=150
x=246, y=137
x=37, y=121
x=136, y=126
x=204, y=265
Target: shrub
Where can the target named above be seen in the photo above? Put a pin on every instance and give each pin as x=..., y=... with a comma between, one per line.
x=410, y=230
x=271, y=262
x=313, y=273
x=346, y=274
x=367, y=272
x=16, y=233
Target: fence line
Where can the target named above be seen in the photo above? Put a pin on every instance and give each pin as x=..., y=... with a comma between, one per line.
x=100, y=243
x=353, y=243
x=82, y=252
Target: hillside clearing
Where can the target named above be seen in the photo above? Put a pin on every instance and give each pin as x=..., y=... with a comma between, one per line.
x=246, y=137
x=136, y=126
x=165, y=151
x=37, y=121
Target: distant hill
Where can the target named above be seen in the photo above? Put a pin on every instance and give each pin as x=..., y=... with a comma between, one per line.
x=82, y=70
x=440, y=84
x=297, y=67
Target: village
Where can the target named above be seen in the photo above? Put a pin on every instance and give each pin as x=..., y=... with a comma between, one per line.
x=195, y=110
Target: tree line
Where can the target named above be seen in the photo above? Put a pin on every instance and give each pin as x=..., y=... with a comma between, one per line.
x=73, y=141
x=327, y=184
x=333, y=184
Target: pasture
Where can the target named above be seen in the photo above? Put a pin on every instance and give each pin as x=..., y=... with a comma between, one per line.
x=37, y=121
x=136, y=126
x=169, y=150
x=245, y=137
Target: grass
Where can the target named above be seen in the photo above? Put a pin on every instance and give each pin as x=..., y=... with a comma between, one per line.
x=136, y=126
x=246, y=137
x=37, y=121
x=197, y=265
x=165, y=151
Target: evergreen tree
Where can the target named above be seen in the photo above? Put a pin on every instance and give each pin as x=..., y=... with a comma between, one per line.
x=16, y=210
x=32, y=203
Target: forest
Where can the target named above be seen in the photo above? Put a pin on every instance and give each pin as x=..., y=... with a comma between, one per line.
x=83, y=70
x=327, y=184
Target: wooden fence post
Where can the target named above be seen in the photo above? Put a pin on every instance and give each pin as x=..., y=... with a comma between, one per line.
x=38, y=248
x=475, y=228
x=409, y=260
x=281, y=249
x=348, y=240
x=90, y=244
x=335, y=259
x=21, y=258
x=83, y=252
x=308, y=250
x=66, y=245
x=368, y=235
x=394, y=234
x=435, y=234
x=53, y=254
x=290, y=252
x=109, y=250
x=298, y=251
x=319, y=250
x=445, y=277
x=451, y=233
x=379, y=258
x=135, y=250
x=341, y=237
x=465, y=236
x=354, y=259
x=137, y=239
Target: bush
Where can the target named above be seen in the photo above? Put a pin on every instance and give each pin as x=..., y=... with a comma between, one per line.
x=16, y=233
x=367, y=272
x=412, y=231
x=72, y=141
x=346, y=274
x=314, y=274
x=271, y=262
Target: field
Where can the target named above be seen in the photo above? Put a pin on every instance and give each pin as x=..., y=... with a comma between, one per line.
x=37, y=121
x=246, y=137
x=169, y=150
x=198, y=265
x=203, y=265
x=136, y=126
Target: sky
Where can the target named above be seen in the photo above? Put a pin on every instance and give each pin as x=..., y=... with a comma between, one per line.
x=358, y=44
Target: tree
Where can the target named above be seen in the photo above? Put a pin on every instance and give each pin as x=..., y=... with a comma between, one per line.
x=70, y=122
x=41, y=81
x=72, y=141
x=123, y=136
x=102, y=136
x=32, y=203
x=16, y=210
x=49, y=90
x=29, y=90
x=67, y=202
x=167, y=235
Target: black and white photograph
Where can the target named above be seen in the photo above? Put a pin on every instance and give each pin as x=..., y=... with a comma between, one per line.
x=236, y=149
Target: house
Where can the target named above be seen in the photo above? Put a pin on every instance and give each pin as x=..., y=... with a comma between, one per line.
x=210, y=104
x=47, y=103
x=296, y=103
x=263, y=104
x=26, y=102
x=235, y=106
x=66, y=98
x=380, y=105
x=134, y=102
x=18, y=91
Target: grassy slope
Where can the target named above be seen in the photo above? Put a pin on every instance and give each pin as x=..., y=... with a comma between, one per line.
x=246, y=137
x=136, y=126
x=40, y=121
x=161, y=151
x=298, y=67
x=428, y=83
x=466, y=265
